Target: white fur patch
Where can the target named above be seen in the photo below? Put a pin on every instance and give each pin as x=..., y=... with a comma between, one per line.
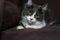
x=45, y=7
x=29, y=2
x=20, y=27
x=37, y=25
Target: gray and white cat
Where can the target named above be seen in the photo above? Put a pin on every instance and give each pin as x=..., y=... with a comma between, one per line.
x=33, y=16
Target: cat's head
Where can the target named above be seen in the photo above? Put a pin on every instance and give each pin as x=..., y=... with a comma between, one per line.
x=34, y=13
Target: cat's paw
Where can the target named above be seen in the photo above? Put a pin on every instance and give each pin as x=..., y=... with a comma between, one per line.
x=20, y=27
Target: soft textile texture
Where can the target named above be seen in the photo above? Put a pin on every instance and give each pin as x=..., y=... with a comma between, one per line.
x=10, y=14
x=47, y=33
x=10, y=18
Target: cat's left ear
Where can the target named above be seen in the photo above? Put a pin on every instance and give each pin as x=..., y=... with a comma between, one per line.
x=45, y=7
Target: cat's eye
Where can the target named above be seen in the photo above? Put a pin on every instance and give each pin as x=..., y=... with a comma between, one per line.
x=31, y=11
x=40, y=11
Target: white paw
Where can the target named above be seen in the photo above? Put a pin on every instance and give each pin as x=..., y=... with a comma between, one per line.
x=20, y=27
x=35, y=27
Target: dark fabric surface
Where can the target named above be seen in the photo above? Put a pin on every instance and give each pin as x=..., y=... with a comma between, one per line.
x=1, y=11
x=47, y=33
x=1, y=15
x=54, y=4
x=11, y=14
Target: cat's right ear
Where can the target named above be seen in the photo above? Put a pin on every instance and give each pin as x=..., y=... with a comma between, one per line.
x=45, y=7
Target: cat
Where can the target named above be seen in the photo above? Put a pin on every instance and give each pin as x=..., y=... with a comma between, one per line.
x=33, y=16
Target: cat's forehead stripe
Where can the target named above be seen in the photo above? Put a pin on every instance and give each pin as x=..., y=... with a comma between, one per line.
x=34, y=13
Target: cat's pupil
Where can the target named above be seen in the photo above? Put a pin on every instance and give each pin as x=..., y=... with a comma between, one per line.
x=40, y=11
x=31, y=11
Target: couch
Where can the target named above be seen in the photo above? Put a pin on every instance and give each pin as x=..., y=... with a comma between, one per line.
x=9, y=19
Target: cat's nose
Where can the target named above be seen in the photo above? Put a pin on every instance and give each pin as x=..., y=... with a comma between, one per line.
x=31, y=19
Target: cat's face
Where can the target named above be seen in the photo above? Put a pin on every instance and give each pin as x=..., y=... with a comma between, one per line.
x=33, y=14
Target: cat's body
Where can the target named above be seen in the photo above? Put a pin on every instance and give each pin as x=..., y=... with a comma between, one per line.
x=33, y=16
x=34, y=25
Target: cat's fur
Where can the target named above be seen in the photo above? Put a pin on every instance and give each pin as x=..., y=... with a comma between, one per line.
x=34, y=16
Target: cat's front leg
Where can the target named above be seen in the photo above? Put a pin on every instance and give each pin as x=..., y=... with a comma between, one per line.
x=20, y=27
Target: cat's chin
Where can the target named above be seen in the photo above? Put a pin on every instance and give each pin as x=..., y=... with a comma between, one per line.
x=32, y=23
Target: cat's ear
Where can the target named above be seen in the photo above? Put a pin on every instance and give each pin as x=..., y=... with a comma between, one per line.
x=29, y=2
x=45, y=7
